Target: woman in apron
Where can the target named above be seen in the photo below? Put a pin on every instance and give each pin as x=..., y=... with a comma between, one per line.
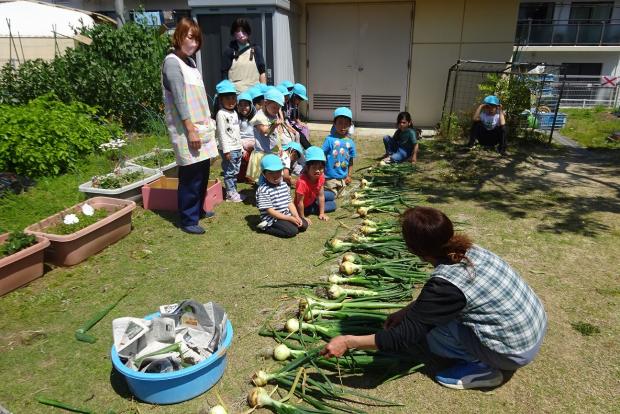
x=189, y=123
x=243, y=63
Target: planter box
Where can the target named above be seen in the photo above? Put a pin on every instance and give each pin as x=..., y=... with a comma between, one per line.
x=128, y=192
x=22, y=267
x=169, y=170
x=161, y=194
x=70, y=249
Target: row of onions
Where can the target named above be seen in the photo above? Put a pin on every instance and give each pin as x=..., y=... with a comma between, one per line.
x=376, y=275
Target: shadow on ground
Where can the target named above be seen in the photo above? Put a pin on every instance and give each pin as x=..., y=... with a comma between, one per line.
x=533, y=180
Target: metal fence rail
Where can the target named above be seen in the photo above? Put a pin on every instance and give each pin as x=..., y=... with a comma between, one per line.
x=588, y=91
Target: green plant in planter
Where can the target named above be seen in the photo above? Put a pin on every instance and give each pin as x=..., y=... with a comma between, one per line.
x=15, y=242
x=117, y=179
x=158, y=159
x=77, y=221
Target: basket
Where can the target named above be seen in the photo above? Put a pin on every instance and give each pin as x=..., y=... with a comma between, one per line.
x=177, y=386
x=545, y=120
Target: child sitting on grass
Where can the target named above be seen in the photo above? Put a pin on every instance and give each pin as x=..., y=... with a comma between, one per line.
x=339, y=150
x=403, y=145
x=310, y=196
x=278, y=214
x=291, y=156
x=268, y=134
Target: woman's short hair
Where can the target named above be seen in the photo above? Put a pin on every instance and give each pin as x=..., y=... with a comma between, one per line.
x=429, y=232
x=184, y=26
x=240, y=23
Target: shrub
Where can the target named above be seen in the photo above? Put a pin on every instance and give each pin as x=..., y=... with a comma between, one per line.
x=119, y=73
x=47, y=137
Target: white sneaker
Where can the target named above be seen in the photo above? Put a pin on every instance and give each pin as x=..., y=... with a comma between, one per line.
x=234, y=197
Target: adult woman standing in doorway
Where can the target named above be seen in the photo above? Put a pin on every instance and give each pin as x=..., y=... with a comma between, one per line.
x=243, y=63
x=189, y=123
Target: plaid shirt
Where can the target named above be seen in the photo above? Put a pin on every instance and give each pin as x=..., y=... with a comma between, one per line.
x=502, y=310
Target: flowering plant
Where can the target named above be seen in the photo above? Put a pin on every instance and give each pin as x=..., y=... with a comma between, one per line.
x=113, y=149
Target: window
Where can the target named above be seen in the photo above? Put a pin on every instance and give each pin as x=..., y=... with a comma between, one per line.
x=590, y=12
x=583, y=69
x=541, y=12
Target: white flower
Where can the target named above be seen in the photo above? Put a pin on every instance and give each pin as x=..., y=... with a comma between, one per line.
x=71, y=219
x=87, y=209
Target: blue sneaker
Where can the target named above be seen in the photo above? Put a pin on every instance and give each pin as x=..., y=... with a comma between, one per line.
x=195, y=229
x=207, y=214
x=468, y=375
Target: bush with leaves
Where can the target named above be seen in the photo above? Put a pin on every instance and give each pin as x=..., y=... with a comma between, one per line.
x=119, y=73
x=47, y=137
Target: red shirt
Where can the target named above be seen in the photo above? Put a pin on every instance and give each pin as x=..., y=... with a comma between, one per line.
x=308, y=189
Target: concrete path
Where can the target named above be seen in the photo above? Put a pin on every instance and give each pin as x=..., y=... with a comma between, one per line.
x=567, y=142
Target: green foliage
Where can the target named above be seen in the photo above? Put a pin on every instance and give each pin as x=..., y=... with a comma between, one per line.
x=159, y=158
x=47, y=137
x=15, y=242
x=85, y=221
x=514, y=91
x=585, y=328
x=119, y=180
x=119, y=73
x=592, y=128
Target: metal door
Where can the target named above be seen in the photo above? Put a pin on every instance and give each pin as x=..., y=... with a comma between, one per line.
x=383, y=61
x=332, y=72
x=359, y=57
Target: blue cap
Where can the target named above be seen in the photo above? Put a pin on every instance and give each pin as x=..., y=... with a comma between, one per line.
x=225, y=86
x=294, y=145
x=271, y=162
x=245, y=96
x=275, y=95
x=288, y=84
x=283, y=89
x=343, y=111
x=263, y=87
x=300, y=90
x=315, y=154
x=255, y=92
x=491, y=100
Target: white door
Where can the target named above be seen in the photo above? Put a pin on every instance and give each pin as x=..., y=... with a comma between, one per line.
x=359, y=57
x=332, y=69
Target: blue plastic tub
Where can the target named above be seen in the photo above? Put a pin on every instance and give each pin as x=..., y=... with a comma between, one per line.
x=178, y=386
x=545, y=120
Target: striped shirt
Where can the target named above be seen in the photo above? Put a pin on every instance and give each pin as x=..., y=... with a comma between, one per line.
x=277, y=197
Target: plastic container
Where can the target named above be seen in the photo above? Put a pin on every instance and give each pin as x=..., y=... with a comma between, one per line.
x=161, y=194
x=169, y=170
x=178, y=386
x=545, y=120
x=129, y=192
x=71, y=249
x=22, y=267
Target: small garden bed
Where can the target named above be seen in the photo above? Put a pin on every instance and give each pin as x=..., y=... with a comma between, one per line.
x=21, y=259
x=158, y=159
x=122, y=183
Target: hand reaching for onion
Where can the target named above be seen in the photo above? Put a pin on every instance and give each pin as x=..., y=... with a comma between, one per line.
x=336, y=347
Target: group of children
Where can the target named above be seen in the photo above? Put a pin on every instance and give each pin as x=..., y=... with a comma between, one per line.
x=262, y=140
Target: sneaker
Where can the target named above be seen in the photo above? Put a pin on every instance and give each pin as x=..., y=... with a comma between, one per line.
x=468, y=375
x=195, y=229
x=234, y=197
x=387, y=159
x=262, y=225
x=207, y=214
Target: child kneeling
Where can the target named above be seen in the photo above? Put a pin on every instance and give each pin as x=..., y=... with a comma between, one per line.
x=310, y=196
x=273, y=199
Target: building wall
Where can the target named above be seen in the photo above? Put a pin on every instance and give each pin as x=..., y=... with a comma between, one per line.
x=443, y=32
x=608, y=59
x=31, y=48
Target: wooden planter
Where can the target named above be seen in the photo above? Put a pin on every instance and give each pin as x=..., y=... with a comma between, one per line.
x=22, y=267
x=70, y=249
x=161, y=194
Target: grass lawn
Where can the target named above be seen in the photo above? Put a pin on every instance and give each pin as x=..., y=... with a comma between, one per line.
x=591, y=127
x=552, y=213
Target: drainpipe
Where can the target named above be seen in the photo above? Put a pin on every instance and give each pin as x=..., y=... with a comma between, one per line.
x=119, y=9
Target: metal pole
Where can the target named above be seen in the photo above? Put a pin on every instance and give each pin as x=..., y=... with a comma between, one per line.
x=600, y=42
x=8, y=24
x=557, y=108
x=456, y=81
x=529, y=30
x=445, y=96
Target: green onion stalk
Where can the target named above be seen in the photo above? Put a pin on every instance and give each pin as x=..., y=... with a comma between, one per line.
x=308, y=303
x=315, y=314
x=329, y=329
x=259, y=397
x=390, y=249
x=395, y=292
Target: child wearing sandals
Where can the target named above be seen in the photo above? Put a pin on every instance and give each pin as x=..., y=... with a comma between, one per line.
x=310, y=195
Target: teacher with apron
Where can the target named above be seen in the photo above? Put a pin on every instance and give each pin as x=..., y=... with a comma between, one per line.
x=189, y=123
x=243, y=63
